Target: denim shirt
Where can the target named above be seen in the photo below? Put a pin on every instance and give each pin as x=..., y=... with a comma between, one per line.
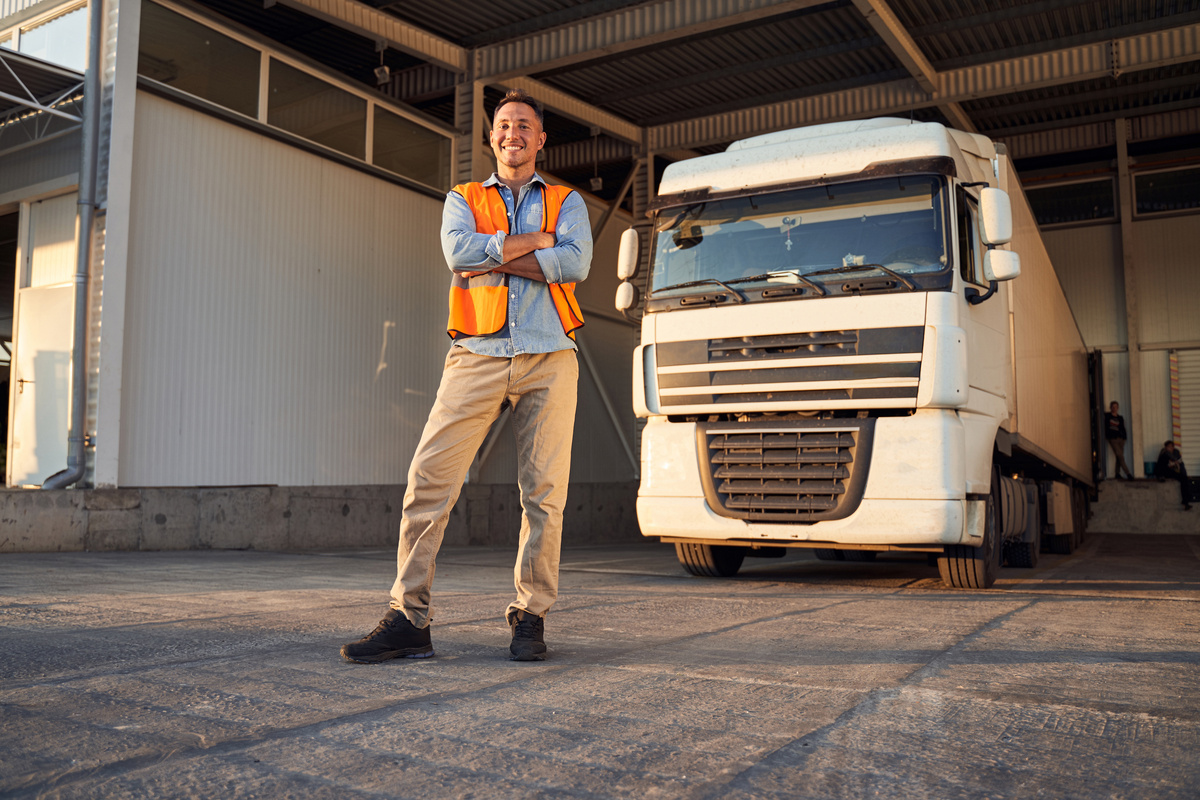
x=532, y=325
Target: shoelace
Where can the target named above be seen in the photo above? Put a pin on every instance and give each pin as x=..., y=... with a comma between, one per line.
x=527, y=628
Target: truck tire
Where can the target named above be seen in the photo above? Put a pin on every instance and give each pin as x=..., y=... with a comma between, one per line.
x=964, y=567
x=860, y=555
x=1022, y=554
x=710, y=560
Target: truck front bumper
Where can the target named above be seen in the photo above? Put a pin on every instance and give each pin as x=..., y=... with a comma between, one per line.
x=876, y=522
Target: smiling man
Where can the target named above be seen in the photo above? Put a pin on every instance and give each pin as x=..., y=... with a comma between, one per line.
x=516, y=247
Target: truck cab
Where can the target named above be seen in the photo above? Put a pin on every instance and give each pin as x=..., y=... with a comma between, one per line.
x=828, y=354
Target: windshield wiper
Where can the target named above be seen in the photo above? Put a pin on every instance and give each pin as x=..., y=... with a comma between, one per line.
x=912, y=287
x=741, y=298
x=782, y=273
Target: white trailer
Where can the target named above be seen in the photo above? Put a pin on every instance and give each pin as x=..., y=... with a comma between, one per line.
x=834, y=355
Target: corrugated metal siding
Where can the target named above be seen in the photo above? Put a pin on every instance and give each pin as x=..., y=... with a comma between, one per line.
x=52, y=225
x=263, y=285
x=1189, y=408
x=1156, y=403
x=1168, y=281
x=1088, y=262
x=9, y=8
x=39, y=163
x=285, y=313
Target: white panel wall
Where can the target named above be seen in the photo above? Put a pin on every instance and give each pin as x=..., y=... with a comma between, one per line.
x=52, y=226
x=1088, y=261
x=1168, y=280
x=285, y=314
x=1156, y=404
x=9, y=8
x=285, y=320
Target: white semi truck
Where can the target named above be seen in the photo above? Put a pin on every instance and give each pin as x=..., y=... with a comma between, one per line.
x=835, y=355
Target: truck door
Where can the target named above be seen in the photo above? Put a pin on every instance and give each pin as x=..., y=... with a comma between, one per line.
x=989, y=342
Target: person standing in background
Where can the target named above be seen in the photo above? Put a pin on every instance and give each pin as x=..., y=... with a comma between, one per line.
x=1114, y=431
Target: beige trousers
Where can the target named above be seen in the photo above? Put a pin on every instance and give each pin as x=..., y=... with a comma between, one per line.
x=541, y=388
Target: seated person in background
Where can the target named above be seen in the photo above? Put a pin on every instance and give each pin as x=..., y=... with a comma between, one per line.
x=1170, y=465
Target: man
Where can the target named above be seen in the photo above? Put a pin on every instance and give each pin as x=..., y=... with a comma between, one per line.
x=1170, y=466
x=516, y=247
x=1114, y=431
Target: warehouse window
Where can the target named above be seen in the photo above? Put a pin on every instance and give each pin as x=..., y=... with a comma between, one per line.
x=184, y=50
x=1086, y=201
x=59, y=36
x=318, y=111
x=404, y=147
x=1173, y=190
x=195, y=59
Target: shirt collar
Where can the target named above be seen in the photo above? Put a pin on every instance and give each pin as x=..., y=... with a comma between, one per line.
x=495, y=180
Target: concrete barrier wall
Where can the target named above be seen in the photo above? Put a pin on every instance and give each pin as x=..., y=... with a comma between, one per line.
x=286, y=518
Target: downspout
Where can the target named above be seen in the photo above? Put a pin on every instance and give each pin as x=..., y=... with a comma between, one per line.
x=90, y=139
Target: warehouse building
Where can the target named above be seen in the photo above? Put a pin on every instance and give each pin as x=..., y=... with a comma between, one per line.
x=225, y=323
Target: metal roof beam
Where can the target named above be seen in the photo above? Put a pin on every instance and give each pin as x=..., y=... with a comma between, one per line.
x=1100, y=59
x=620, y=31
x=889, y=28
x=885, y=22
x=366, y=21
x=574, y=108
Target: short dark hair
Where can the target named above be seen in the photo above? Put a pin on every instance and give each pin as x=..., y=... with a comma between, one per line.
x=1169, y=443
x=521, y=96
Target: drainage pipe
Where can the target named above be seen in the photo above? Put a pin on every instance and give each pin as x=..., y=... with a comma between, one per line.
x=90, y=136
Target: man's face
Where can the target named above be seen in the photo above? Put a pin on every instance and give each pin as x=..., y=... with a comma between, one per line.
x=1113, y=408
x=516, y=136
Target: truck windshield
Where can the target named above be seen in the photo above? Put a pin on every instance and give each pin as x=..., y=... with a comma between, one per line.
x=893, y=227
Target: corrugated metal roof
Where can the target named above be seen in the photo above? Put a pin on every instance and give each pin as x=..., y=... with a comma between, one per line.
x=673, y=62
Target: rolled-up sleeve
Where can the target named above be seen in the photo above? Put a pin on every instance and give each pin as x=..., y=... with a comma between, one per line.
x=463, y=248
x=571, y=257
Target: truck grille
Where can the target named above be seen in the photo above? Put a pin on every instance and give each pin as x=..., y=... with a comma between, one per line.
x=880, y=367
x=785, y=472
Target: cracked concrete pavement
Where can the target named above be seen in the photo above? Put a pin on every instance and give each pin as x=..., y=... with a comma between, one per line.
x=216, y=674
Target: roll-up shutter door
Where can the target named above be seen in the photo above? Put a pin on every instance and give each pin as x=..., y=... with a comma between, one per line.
x=1189, y=408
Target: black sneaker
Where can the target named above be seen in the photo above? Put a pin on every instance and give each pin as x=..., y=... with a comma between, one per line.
x=393, y=637
x=528, y=637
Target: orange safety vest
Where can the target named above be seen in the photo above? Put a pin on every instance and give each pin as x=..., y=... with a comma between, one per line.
x=479, y=306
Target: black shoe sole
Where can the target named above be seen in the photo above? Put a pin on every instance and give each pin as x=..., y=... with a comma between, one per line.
x=388, y=655
x=526, y=655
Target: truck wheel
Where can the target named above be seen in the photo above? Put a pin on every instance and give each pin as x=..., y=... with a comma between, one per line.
x=1022, y=554
x=860, y=555
x=710, y=560
x=826, y=554
x=966, y=567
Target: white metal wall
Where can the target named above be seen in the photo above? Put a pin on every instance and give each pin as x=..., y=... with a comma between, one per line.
x=1088, y=261
x=1168, y=280
x=10, y=8
x=1189, y=409
x=284, y=320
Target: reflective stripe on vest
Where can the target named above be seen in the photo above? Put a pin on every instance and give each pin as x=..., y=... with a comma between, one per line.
x=479, y=306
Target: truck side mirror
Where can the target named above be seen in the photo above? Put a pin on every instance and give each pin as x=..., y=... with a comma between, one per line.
x=995, y=217
x=1001, y=265
x=626, y=296
x=627, y=255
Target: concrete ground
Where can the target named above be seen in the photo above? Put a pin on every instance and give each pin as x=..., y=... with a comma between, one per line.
x=215, y=674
